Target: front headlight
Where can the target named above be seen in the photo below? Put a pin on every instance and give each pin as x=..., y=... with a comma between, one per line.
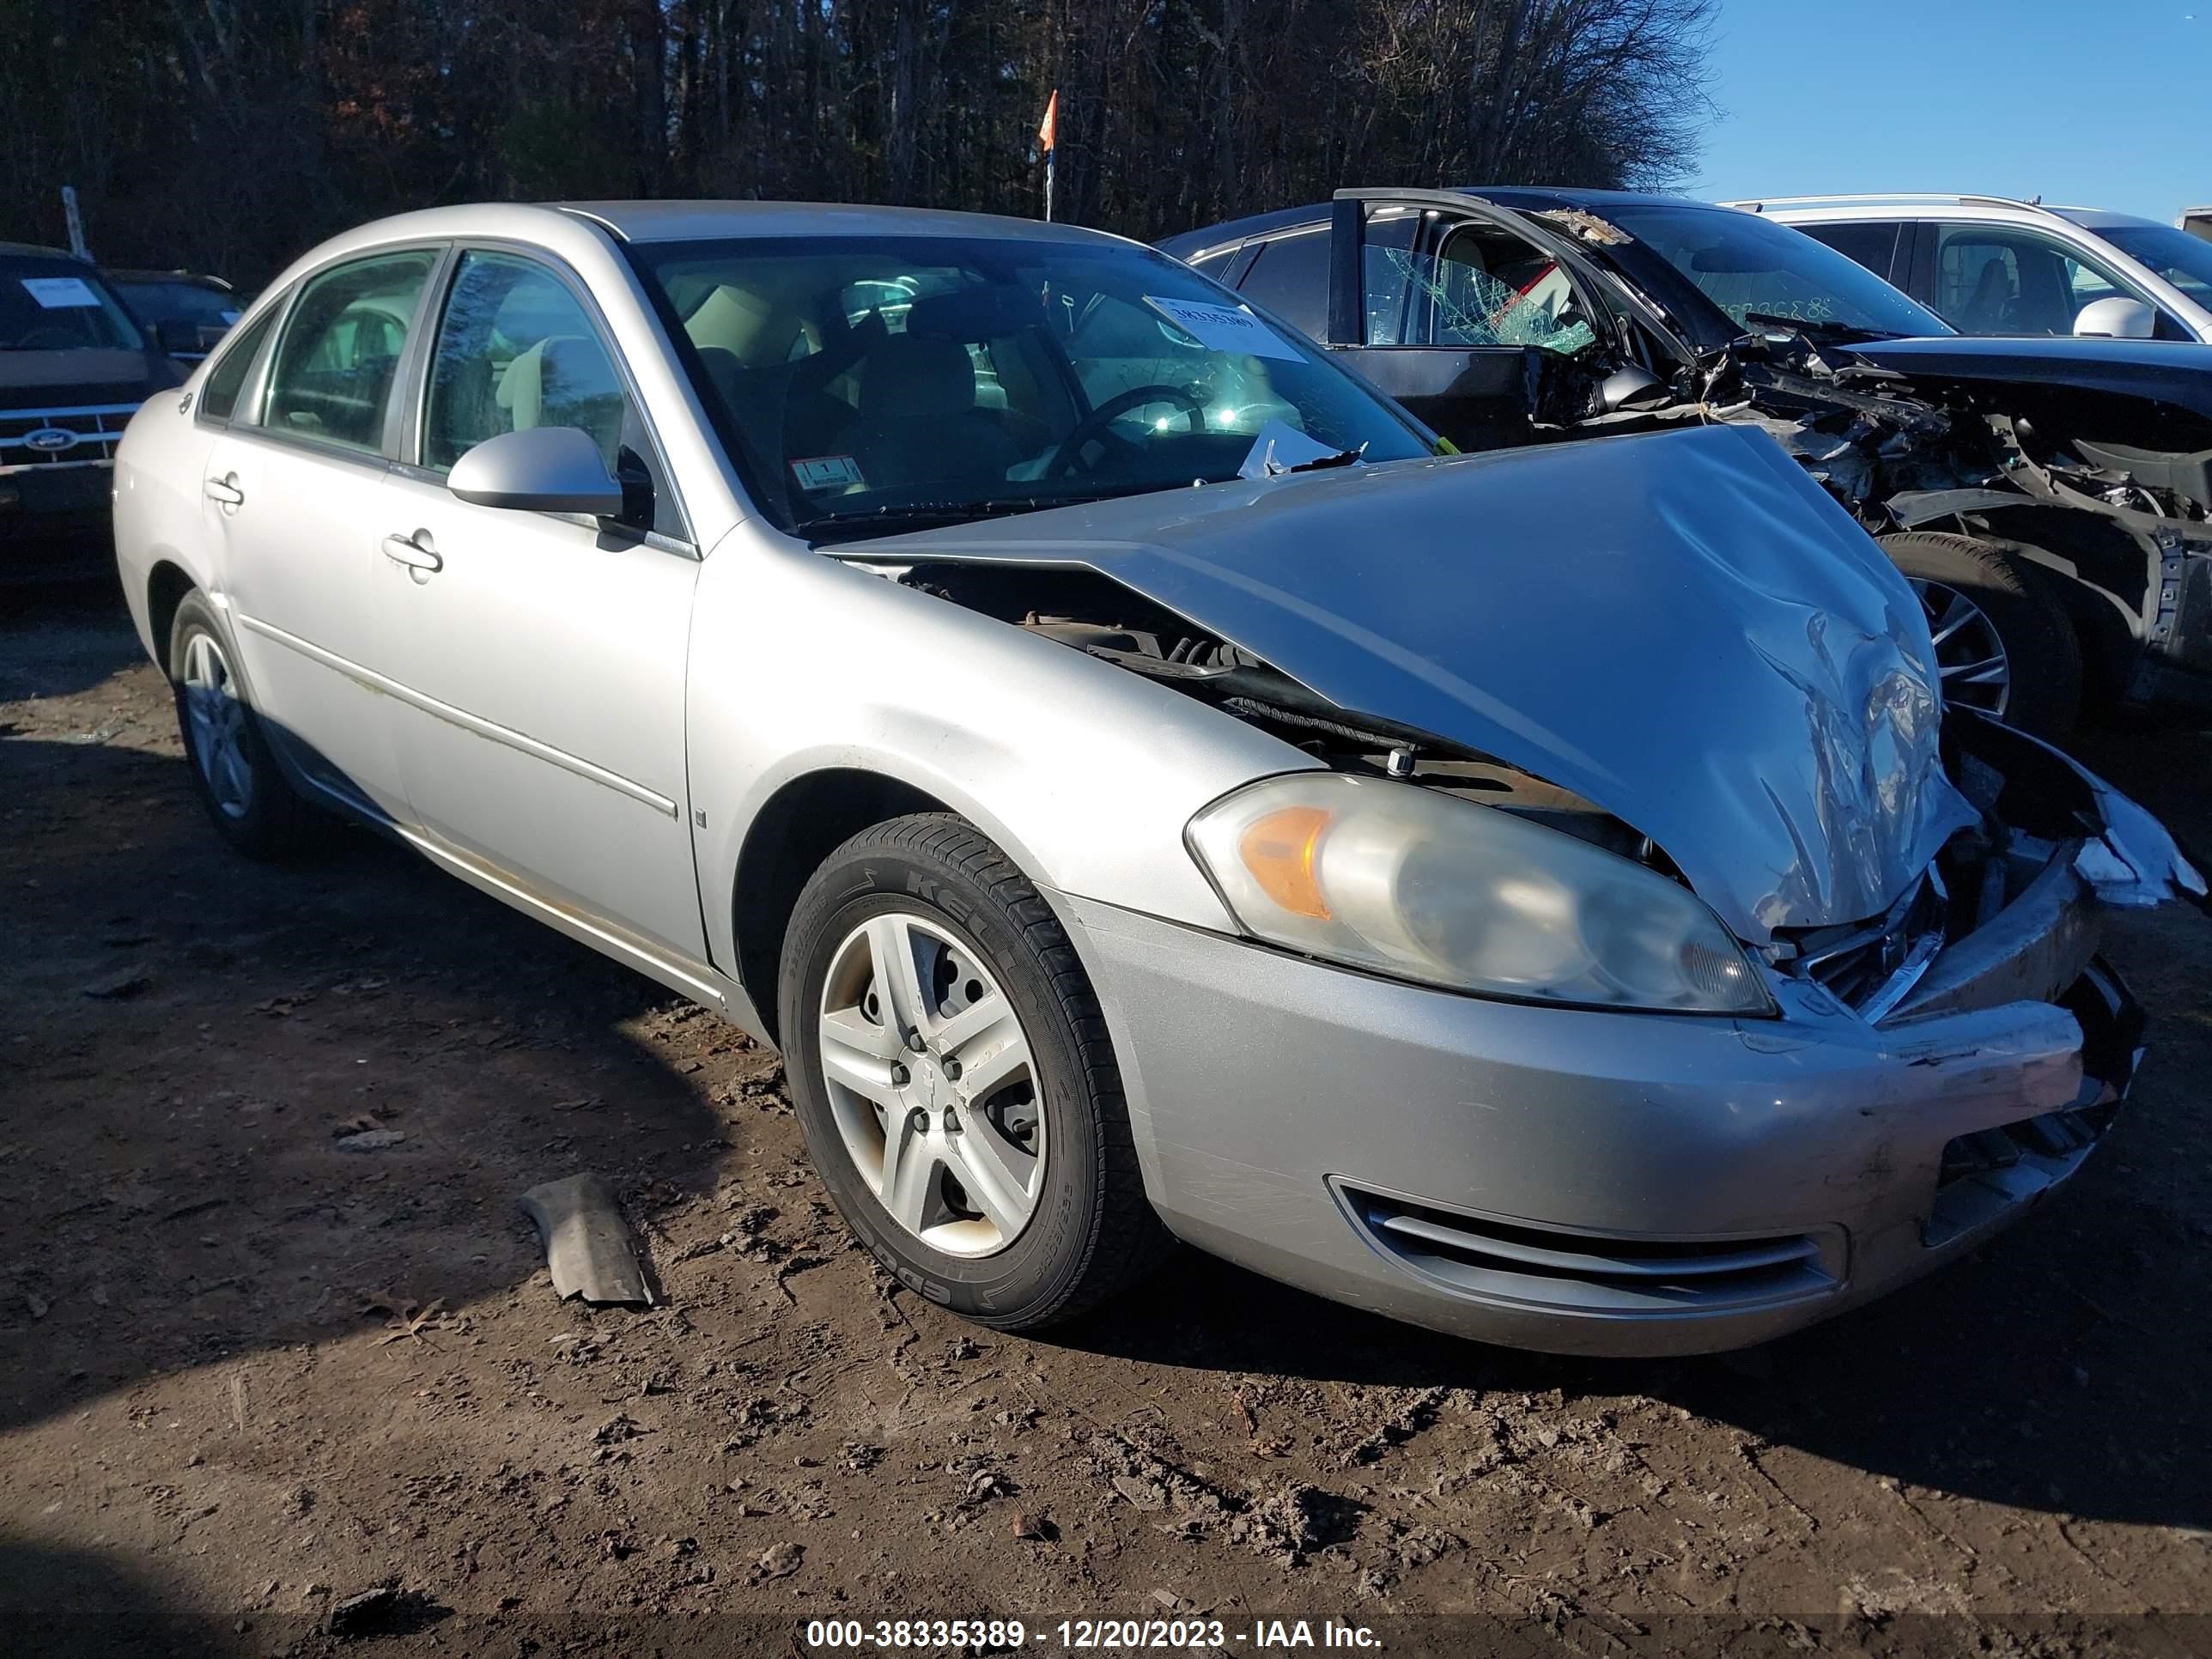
x=1409, y=882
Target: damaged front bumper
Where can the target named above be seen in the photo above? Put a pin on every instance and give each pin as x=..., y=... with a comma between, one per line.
x=1622, y=1183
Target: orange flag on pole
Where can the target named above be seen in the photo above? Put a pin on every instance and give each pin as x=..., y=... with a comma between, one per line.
x=1051, y=122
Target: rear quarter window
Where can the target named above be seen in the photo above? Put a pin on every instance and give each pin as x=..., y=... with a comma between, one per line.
x=219, y=392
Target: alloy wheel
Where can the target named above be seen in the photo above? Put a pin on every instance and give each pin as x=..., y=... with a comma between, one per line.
x=215, y=716
x=1970, y=654
x=932, y=1085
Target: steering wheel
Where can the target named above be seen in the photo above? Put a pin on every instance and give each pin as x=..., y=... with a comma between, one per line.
x=1192, y=400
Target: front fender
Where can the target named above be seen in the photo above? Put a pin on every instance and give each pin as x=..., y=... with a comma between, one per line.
x=1084, y=774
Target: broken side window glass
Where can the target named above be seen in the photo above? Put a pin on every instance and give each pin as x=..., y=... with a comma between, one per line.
x=1483, y=289
x=1387, y=257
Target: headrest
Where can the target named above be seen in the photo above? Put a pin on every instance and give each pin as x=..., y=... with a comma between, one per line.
x=910, y=374
x=570, y=365
x=977, y=313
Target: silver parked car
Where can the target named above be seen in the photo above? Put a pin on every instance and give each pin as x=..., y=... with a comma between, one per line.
x=1143, y=789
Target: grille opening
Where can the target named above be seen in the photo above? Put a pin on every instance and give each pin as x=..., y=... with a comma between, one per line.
x=1598, y=1274
x=96, y=429
x=1871, y=966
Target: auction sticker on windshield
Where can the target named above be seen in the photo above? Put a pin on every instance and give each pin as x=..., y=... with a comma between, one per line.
x=1224, y=328
x=59, y=293
x=826, y=473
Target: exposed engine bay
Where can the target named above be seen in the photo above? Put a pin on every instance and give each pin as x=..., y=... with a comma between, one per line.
x=1093, y=613
x=2045, y=830
x=2111, y=490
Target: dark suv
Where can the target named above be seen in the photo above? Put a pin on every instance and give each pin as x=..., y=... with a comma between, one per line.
x=2051, y=499
x=75, y=365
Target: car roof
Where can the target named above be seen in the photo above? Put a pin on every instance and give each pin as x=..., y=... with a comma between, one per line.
x=1521, y=198
x=198, y=279
x=36, y=251
x=1936, y=206
x=1538, y=197
x=571, y=229
x=704, y=221
x=2106, y=219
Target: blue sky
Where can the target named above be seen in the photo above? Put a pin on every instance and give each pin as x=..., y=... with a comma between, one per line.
x=2098, y=104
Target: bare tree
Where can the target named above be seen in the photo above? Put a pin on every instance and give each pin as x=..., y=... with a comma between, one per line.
x=230, y=134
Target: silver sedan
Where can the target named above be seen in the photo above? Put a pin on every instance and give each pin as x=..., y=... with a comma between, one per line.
x=1143, y=786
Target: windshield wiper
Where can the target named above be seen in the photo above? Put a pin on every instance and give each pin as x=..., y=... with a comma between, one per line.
x=1280, y=448
x=892, y=517
x=1821, y=328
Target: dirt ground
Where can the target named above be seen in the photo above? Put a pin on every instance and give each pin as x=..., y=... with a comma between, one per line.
x=263, y=1392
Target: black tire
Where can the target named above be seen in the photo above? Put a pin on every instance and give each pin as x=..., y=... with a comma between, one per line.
x=1093, y=1232
x=273, y=822
x=2040, y=647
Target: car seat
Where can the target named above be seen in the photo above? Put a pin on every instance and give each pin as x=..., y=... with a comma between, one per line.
x=919, y=422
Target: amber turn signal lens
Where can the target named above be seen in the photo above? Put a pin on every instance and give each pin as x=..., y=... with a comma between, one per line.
x=1281, y=850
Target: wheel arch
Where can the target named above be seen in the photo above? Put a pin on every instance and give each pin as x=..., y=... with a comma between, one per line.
x=793, y=833
x=166, y=584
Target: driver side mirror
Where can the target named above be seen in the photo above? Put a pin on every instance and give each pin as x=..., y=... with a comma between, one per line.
x=178, y=339
x=542, y=469
x=2116, y=319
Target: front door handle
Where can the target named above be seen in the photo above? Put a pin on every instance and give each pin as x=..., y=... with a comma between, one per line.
x=225, y=489
x=415, y=552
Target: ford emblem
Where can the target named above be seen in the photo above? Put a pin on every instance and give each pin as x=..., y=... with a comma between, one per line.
x=50, y=440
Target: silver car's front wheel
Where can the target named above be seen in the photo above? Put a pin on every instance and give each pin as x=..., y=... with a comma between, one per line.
x=932, y=1085
x=951, y=1070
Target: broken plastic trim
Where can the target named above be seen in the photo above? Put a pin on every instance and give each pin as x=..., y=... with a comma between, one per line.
x=2129, y=859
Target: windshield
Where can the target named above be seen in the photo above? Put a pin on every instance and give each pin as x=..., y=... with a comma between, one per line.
x=861, y=380
x=2184, y=260
x=1761, y=273
x=183, y=302
x=58, y=305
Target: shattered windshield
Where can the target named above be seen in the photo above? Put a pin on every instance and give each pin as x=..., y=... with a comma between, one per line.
x=864, y=382
x=1762, y=274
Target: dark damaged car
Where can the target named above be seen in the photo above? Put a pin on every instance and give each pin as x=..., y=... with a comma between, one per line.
x=2051, y=499
x=1142, y=789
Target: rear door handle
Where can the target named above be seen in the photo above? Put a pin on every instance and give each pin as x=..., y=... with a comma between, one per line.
x=410, y=552
x=225, y=490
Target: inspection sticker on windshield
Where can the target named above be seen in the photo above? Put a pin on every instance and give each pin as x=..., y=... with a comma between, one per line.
x=59, y=293
x=1224, y=328
x=826, y=473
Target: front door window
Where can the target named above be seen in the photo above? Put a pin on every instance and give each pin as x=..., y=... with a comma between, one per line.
x=1485, y=287
x=1996, y=279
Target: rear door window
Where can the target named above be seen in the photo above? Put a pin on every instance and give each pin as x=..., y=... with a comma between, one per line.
x=340, y=353
x=1872, y=242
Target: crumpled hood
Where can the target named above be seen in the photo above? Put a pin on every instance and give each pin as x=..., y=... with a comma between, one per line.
x=1682, y=629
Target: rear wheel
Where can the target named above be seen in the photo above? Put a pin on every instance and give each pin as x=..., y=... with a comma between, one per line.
x=249, y=800
x=952, y=1073
x=2002, y=643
